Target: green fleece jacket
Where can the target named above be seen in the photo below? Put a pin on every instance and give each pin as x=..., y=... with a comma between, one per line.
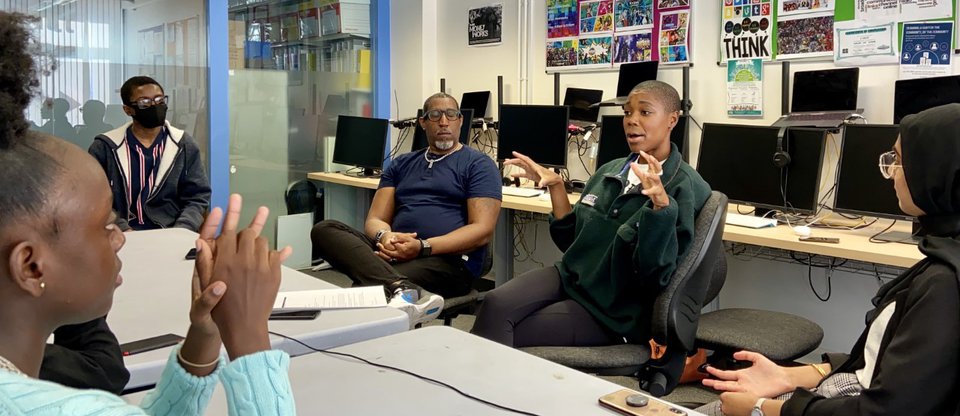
x=618, y=253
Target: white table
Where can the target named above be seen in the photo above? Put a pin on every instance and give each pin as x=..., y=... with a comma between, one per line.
x=155, y=299
x=324, y=384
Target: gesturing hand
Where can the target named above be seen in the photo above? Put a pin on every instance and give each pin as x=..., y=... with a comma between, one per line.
x=251, y=272
x=652, y=187
x=540, y=175
x=763, y=378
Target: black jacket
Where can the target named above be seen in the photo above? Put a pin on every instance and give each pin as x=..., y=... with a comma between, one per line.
x=85, y=356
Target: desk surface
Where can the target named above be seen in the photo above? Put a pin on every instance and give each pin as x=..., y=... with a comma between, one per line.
x=337, y=385
x=155, y=299
x=531, y=204
x=854, y=245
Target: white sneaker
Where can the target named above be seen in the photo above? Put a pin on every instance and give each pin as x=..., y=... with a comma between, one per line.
x=418, y=311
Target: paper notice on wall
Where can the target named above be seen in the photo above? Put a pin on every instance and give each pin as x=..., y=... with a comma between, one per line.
x=745, y=87
x=902, y=10
x=926, y=49
x=856, y=43
x=746, y=30
x=791, y=7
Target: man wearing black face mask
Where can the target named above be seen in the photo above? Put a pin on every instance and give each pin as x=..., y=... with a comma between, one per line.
x=154, y=169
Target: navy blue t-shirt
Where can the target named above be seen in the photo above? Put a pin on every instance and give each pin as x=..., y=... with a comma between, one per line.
x=433, y=201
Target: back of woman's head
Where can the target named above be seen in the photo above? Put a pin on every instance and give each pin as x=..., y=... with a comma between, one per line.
x=930, y=146
x=27, y=170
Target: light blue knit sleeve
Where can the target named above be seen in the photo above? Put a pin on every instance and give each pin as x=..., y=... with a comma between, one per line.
x=179, y=392
x=258, y=384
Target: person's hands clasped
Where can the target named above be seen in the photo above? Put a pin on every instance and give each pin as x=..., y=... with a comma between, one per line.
x=531, y=170
x=251, y=271
x=763, y=378
x=650, y=180
x=398, y=247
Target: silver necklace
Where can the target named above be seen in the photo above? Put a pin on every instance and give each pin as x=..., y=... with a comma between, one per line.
x=5, y=364
x=430, y=162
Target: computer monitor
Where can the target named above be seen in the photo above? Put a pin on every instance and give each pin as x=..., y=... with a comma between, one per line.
x=635, y=73
x=912, y=96
x=738, y=161
x=477, y=101
x=361, y=142
x=420, y=136
x=612, y=143
x=861, y=189
x=538, y=131
x=579, y=101
x=827, y=90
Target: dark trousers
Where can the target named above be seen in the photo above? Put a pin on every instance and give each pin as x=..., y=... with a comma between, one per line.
x=352, y=253
x=534, y=310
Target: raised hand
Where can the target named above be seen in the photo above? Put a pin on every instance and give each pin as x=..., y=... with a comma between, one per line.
x=540, y=175
x=251, y=272
x=650, y=180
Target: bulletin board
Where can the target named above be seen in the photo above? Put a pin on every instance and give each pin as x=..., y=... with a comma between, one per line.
x=603, y=34
x=797, y=29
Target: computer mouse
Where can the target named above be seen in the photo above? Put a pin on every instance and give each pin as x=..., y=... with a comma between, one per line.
x=802, y=230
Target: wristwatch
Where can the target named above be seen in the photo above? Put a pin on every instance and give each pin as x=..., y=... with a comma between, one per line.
x=425, y=248
x=758, y=408
x=380, y=234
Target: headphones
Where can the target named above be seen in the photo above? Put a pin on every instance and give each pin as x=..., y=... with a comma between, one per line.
x=781, y=158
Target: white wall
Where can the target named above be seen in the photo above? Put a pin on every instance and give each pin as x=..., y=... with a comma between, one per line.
x=757, y=283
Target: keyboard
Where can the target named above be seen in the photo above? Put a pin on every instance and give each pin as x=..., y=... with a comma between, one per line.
x=521, y=192
x=750, y=221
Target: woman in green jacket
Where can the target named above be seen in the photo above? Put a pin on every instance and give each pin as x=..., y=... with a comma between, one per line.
x=621, y=242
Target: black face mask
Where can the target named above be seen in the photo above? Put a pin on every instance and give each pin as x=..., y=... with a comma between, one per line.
x=151, y=117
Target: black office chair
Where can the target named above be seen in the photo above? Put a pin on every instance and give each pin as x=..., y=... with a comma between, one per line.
x=302, y=197
x=675, y=316
x=466, y=304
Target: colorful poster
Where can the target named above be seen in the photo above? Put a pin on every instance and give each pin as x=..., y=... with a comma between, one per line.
x=633, y=14
x=562, y=19
x=674, y=37
x=596, y=16
x=633, y=46
x=485, y=25
x=562, y=53
x=745, y=87
x=856, y=44
x=792, y=7
x=747, y=30
x=926, y=49
x=595, y=51
x=805, y=37
x=669, y=4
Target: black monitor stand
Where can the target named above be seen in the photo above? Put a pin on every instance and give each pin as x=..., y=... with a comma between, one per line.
x=365, y=173
x=902, y=237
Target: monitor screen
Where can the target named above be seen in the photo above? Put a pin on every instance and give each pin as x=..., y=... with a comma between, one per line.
x=477, y=101
x=579, y=101
x=738, y=161
x=912, y=96
x=827, y=90
x=633, y=74
x=360, y=141
x=612, y=143
x=861, y=188
x=420, y=136
x=538, y=131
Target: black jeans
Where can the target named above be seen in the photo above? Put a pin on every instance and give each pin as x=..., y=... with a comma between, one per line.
x=351, y=252
x=534, y=310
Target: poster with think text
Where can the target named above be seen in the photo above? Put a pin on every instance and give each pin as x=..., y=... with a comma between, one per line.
x=746, y=30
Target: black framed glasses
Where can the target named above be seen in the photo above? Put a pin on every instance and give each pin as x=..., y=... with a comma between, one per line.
x=434, y=115
x=149, y=102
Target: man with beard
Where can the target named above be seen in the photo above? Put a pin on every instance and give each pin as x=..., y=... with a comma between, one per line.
x=429, y=224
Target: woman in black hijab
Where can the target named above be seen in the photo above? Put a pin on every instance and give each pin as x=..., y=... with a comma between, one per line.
x=907, y=360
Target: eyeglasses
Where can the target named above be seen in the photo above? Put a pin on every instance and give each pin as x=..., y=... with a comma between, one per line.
x=889, y=161
x=144, y=103
x=434, y=115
